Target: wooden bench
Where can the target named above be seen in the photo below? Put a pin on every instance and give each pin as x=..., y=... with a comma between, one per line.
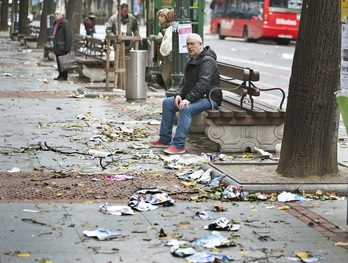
x=32, y=38
x=91, y=57
x=242, y=122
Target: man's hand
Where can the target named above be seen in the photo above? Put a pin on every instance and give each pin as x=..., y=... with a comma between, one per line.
x=177, y=101
x=183, y=103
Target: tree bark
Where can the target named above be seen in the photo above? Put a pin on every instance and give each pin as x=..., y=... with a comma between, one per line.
x=43, y=25
x=309, y=144
x=23, y=24
x=4, y=15
x=74, y=15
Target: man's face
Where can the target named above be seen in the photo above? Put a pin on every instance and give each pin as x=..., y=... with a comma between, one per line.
x=57, y=16
x=124, y=12
x=194, y=48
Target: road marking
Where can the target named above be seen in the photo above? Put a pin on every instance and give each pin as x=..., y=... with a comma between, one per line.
x=254, y=63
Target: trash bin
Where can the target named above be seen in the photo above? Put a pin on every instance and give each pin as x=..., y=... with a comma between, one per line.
x=136, y=87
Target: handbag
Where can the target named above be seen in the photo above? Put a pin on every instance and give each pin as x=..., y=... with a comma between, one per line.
x=166, y=46
x=67, y=62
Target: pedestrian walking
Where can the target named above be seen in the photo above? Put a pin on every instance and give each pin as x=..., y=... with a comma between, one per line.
x=129, y=25
x=163, y=43
x=192, y=96
x=62, y=40
x=90, y=24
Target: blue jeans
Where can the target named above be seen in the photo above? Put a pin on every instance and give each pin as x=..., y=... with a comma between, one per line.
x=184, y=121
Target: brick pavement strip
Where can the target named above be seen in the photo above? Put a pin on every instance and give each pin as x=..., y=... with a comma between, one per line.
x=320, y=224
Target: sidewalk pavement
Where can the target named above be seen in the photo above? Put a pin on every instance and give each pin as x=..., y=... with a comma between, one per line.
x=43, y=216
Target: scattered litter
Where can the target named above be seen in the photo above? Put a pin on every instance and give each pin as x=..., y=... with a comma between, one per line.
x=14, y=170
x=7, y=75
x=262, y=196
x=206, y=177
x=97, y=138
x=286, y=197
x=102, y=234
x=222, y=224
x=154, y=122
x=175, y=242
x=216, y=181
x=204, y=215
x=264, y=153
x=31, y=211
x=160, y=199
x=139, y=204
x=196, y=175
x=95, y=180
x=214, y=239
x=184, y=175
x=119, y=177
x=139, y=146
x=116, y=210
x=26, y=51
x=75, y=95
x=233, y=191
x=98, y=154
x=206, y=257
x=182, y=252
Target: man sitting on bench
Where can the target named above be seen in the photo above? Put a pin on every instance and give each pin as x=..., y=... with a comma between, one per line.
x=192, y=97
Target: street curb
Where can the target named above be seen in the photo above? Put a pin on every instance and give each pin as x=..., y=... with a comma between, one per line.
x=95, y=94
x=341, y=189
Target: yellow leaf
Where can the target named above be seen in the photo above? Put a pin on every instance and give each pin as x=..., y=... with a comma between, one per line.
x=254, y=210
x=150, y=227
x=243, y=252
x=23, y=255
x=88, y=225
x=284, y=208
x=301, y=254
x=341, y=244
x=189, y=183
x=87, y=202
x=270, y=207
x=59, y=194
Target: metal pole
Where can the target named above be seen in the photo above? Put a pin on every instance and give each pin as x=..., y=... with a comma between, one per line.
x=16, y=17
x=50, y=21
x=181, y=28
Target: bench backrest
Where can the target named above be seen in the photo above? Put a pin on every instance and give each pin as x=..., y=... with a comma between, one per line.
x=238, y=79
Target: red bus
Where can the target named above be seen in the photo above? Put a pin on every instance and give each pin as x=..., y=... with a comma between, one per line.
x=256, y=19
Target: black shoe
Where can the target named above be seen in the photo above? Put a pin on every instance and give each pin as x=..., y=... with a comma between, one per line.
x=57, y=78
x=62, y=78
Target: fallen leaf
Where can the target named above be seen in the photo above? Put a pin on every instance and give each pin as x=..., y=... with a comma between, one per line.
x=341, y=244
x=301, y=254
x=87, y=202
x=183, y=225
x=23, y=255
x=284, y=208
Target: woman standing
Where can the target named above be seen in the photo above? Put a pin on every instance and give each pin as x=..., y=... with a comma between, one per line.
x=165, y=19
x=62, y=40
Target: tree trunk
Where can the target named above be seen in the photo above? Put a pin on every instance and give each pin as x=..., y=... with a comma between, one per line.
x=74, y=15
x=23, y=24
x=43, y=25
x=309, y=144
x=4, y=15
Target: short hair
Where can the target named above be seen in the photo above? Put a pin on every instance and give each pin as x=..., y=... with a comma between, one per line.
x=196, y=37
x=124, y=5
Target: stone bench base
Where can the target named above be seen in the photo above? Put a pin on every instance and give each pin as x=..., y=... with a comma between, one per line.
x=30, y=42
x=241, y=138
